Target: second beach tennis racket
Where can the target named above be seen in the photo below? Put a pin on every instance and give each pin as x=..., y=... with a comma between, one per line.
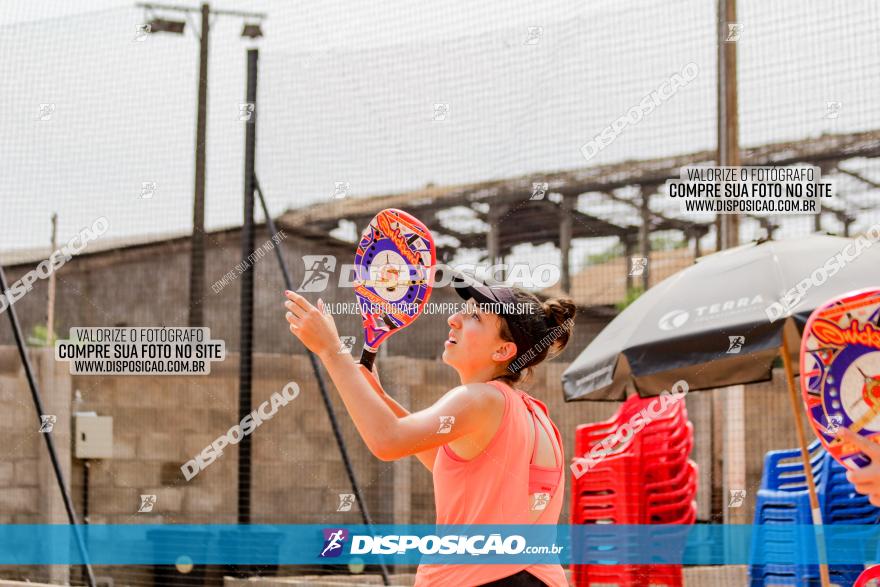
x=840, y=371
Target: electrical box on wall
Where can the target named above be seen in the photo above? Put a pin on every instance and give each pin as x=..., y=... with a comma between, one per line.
x=94, y=436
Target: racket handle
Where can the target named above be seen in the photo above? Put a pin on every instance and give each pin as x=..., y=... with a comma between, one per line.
x=367, y=359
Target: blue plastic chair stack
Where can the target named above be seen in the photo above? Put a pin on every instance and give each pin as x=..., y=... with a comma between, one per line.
x=783, y=499
x=843, y=504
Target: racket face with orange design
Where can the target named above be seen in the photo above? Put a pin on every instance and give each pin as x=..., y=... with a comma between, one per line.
x=395, y=261
x=840, y=372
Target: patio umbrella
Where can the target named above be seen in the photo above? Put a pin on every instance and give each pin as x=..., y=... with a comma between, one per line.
x=723, y=321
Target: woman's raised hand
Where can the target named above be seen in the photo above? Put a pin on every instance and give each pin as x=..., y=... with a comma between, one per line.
x=314, y=327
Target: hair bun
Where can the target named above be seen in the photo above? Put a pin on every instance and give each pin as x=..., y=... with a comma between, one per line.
x=559, y=310
x=560, y=313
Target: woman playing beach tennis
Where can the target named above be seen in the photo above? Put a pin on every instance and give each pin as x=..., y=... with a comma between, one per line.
x=495, y=455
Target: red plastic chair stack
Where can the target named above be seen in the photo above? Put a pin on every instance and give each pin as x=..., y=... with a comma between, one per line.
x=646, y=478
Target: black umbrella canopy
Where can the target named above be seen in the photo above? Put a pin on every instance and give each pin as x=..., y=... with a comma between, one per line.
x=689, y=325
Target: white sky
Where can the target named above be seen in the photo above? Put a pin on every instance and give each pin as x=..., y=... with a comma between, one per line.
x=347, y=93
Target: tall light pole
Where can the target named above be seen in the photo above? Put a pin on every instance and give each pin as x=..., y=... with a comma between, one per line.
x=197, y=243
x=728, y=110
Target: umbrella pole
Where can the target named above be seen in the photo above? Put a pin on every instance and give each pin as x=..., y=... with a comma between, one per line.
x=808, y=470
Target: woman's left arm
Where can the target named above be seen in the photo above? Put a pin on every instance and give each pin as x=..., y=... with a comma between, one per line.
x=387, y=436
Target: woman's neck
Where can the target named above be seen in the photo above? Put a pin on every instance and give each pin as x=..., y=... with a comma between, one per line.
x=479, y=376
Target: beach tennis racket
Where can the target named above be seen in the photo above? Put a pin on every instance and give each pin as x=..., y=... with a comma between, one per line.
x=840, y=372
x=395, y=263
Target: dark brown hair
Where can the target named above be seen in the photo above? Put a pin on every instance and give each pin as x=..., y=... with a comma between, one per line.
x=549, y=324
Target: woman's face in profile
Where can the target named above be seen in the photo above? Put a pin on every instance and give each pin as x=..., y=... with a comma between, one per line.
x=473, y=338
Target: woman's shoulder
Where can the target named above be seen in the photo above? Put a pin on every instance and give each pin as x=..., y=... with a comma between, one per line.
x=476, y=400
x=484, y=393
x=488, y=390
x=489, y=396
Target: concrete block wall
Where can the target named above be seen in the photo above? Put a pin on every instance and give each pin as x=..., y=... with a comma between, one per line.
x=160, y=423
x=29, y=493
x=20, y=495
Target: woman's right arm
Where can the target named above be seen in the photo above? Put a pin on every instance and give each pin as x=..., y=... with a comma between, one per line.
x=388, y=436
x=425, y=457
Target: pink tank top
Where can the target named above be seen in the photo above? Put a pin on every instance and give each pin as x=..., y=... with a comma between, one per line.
x=494, y=488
